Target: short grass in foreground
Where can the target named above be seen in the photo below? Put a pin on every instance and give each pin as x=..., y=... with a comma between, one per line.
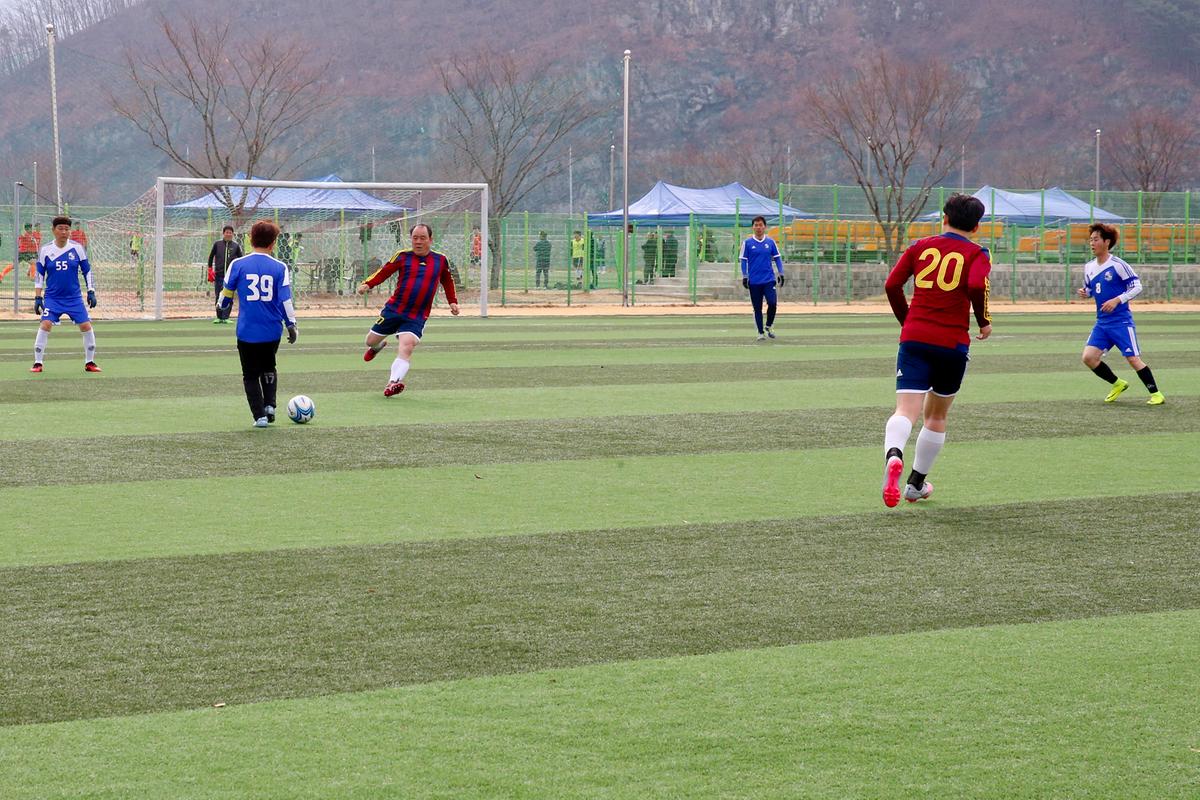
x=386, y=598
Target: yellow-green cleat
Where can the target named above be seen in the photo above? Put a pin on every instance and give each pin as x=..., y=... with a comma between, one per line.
x=1120, y=386
x=1156, y=399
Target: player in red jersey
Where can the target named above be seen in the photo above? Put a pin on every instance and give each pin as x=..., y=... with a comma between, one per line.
x=418, y=271
x=950, y=277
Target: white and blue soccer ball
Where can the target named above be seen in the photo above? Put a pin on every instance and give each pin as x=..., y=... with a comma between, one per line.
x=301, y=409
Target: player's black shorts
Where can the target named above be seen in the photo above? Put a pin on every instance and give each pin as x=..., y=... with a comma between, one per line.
x=924, y=367
x=389, y=322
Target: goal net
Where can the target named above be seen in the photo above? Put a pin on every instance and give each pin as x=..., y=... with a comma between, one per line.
x=151, y=256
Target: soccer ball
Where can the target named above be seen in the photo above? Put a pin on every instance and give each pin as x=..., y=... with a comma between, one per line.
x=301, y=409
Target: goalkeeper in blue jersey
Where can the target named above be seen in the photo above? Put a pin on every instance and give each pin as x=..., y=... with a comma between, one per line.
x=263, y=288
x=56, y=292
x=758, y=259
x=1113, y=283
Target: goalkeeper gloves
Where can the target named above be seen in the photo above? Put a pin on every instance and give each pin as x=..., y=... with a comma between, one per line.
x=781, y=279
x=293, y=334
x=225, y=302
x=745, y=282
x=91, y=298
x=39, y=305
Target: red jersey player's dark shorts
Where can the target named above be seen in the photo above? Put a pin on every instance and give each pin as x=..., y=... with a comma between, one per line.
x=924, y=368
x=389, y=322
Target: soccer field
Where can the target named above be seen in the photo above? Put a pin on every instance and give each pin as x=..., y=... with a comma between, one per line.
x=596, y=557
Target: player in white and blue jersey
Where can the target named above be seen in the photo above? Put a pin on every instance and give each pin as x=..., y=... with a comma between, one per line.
x=759, y=258
x=56, y=292
x=263, y=288
x=1113, y=283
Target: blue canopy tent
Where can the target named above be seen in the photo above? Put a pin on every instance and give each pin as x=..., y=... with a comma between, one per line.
x=1046, y=207
x=352, y=201
x=720, y=206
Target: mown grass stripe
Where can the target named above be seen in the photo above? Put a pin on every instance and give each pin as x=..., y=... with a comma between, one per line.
x=85, y=390
x=129, y=637
x=98, y=460
x=69, y=523
x=1081, y=708
x=223, y=412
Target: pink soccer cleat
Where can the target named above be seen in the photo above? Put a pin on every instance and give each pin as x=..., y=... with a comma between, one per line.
x=372, y=351
x=891, y=481
x=92, y=366
x=37, y=367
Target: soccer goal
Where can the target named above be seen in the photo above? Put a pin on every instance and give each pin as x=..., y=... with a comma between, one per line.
x=152, y=255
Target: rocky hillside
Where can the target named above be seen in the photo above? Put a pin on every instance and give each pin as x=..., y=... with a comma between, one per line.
x=711, y=77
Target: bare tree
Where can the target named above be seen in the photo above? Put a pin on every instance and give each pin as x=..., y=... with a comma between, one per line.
x=509, y=124
x=899, y=125
x=216, y=103
x=1151, y=149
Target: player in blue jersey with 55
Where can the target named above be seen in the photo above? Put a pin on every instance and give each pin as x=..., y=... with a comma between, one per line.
x=56, y=292
x=758, y=259
x=263, y=288
x=1113, y=283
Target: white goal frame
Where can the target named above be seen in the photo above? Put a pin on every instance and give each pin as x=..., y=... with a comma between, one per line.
x=163, y=181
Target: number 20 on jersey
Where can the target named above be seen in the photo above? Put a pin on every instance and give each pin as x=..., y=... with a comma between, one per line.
x=948, y=266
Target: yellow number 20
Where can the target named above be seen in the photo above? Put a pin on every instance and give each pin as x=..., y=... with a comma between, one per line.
x=943, y=263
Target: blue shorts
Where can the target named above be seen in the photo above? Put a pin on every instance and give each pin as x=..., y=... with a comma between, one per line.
x=1122, y=337
x=389, y=322
x=924, y=368
x=54, y=309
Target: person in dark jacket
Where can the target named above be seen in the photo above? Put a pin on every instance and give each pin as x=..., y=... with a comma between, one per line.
x=223, y=252
x=541, y=261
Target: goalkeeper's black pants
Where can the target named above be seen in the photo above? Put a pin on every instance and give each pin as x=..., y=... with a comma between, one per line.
x=258, y=374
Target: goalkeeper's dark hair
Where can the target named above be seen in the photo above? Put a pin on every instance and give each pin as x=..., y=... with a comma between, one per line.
x=263, y=234
x=60, y=221
x=756, y=219
x=424, y=225
x=227, y=228
x=963, y=211
x=1108, y=233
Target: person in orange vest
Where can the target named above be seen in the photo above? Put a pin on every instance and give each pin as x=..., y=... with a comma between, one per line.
x=476, y=247
x=79, y=235
x=27, y=248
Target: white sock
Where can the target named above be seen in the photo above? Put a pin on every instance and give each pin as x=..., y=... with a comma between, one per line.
x=929, y=444
x=399, y=369
x=89, y=346
x=896, y=434
x=39, y=345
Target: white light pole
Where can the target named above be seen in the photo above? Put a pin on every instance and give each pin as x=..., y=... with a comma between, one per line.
x=612, y=175
x=789, y=165
x=1096, y=199
x=570, y=182
x=372, y=163
x=870, y=160
x=54, y=118
x=35, y=196
x=962, y=170
x=16, y=246
x=625, y=192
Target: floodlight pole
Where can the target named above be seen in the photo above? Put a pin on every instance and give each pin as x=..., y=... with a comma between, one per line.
x=625, y=192
x=570, y=182
x=54, y=119
x=612, y=175
x=16, y=246
x=1096, y=199
x=35, y=193
x=962, y=169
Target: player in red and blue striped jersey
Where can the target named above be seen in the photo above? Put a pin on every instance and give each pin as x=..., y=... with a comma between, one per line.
x=1113, y=283
x=418, y=271
x=950, y=277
